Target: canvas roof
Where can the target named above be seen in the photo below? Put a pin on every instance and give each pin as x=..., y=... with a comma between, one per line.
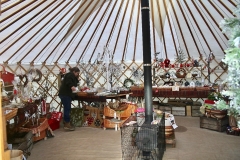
x=77, y=30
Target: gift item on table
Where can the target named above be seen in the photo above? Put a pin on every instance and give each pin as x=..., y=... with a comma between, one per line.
x=170, y=120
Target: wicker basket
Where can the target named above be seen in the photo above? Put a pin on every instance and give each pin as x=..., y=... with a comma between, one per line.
x=218, y=114
x=11, y=114
x=181, y=73
x=108, y=112
x=35, y=129
x=40, y=136
x=127, y=112
x=109, y=124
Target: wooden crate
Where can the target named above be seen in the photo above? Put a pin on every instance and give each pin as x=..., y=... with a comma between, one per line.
x=166, y=109
x=178, y=108
x=195, y=109
x=179, y=111
x=214, y=124
x=93, y=117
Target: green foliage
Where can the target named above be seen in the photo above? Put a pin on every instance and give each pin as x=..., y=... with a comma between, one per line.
x=231, y=26
x=214, y=96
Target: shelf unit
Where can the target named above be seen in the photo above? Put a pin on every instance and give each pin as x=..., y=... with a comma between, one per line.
x=162, y=76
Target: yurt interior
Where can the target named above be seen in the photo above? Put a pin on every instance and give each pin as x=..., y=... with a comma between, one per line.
x=120, y=79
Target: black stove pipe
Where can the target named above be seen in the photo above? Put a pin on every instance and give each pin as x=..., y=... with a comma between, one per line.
x=147, y=61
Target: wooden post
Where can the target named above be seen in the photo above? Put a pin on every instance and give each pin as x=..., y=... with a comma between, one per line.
x=5, y=154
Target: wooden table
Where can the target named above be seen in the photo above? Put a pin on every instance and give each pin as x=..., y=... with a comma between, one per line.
x=94, y=98
x=161, y=92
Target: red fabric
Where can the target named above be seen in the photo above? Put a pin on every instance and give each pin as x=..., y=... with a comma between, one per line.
x=209, y=101
x=7, y=77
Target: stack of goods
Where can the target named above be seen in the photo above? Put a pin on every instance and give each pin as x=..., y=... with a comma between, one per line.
x=170, y=125
x=119, y=112
x=212, y=108
x=92, y=117
x=213, y=117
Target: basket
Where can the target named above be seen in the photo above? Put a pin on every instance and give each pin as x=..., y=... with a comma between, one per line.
x=11, y=114
x=35, y=129
x=109, y=124
x=127, y=112
x=218, y=114
x=122, y=107
x=181, y=73
x=40, y=136
x=108, y=112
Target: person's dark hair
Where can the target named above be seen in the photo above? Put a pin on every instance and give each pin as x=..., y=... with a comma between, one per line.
x=75, y=69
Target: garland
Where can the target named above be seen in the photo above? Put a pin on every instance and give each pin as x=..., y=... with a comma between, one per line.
x=126, y=81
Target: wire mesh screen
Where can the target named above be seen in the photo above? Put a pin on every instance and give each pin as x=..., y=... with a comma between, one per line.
x=143, y=142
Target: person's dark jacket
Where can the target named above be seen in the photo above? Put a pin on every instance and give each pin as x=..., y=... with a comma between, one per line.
x=68, y=81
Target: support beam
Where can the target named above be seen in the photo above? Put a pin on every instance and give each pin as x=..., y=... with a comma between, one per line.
x=147, y=61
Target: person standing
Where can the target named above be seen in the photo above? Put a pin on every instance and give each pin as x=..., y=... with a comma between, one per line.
x=66, y=94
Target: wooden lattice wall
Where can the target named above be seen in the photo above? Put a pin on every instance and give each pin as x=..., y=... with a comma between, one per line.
x=50, y=75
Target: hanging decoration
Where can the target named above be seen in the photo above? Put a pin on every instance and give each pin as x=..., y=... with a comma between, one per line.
x=112, y=69
x=137, y=74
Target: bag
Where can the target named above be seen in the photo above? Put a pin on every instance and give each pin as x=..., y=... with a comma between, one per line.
x=7, y=77
x=76, y=115
x=56, y=115
x=54, y=121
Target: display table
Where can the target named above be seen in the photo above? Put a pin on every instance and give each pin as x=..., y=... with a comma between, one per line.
x=94, y=98
x=167, y=92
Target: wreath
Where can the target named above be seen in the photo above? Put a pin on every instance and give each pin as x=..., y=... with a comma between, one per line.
x=128, y=83
x=38, y=76
x=24, y=79
x=181, y=73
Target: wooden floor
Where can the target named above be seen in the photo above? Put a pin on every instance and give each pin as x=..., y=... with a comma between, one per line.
x=192, y=143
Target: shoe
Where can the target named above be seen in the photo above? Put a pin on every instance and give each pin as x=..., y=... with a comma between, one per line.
x=68, y=126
